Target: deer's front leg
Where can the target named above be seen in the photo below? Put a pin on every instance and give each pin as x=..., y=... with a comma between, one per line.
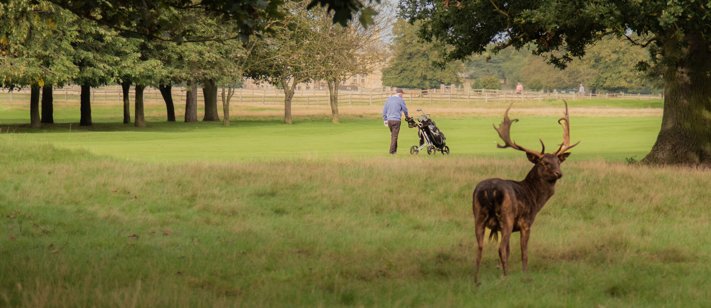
x=525, y=234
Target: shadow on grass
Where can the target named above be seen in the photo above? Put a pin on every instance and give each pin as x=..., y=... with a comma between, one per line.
x=167, y=127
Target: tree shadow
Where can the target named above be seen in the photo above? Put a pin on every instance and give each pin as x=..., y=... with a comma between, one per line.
x=166, y=127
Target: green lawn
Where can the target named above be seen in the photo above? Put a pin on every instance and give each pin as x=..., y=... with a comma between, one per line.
x=612, y=139
x=316, y=214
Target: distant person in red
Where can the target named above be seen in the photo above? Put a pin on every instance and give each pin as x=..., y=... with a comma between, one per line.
x=392, y=115
x=519, y=88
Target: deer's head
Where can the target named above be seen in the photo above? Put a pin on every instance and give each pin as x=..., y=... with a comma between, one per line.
x=547, y=165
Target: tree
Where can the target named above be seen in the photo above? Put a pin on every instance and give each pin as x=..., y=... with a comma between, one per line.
x=36, y=52
x=97, y=54
x=124, y=72
x=608, y=65
x=676, y=33
x=416, y=63
x=285, y=56
x=612, y=64
x=487, y=82
x=142, y=18
x=344, y=52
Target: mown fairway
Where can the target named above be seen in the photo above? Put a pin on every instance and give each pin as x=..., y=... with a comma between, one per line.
x=263, y=214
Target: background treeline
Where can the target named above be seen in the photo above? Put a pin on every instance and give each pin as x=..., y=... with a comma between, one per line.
x=610, y=65
x=46, y=44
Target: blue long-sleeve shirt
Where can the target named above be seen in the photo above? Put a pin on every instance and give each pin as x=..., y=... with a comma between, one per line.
x=393, y=108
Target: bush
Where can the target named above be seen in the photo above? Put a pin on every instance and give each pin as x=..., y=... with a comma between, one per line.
x=487, y=82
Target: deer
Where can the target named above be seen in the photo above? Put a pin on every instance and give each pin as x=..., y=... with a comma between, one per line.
x=507, y=206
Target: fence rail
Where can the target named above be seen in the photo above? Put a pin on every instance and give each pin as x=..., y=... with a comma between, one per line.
x=113, y=95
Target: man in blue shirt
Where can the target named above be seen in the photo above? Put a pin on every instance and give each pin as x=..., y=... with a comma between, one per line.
x=394, y=107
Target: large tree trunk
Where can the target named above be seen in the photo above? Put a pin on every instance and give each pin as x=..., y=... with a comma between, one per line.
x=288, y=96
x=209, y=92
x=126, y=88
x=685, y=135
x=47, y=104
x=226, y=97
x=191, y=102
x=85, y=106
x=34, y=107
x=165, y=91
x=140, y=120
x=333, y=99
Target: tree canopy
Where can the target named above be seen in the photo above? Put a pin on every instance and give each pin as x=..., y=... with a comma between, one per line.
x=415, y=63
x=165, y=19
x=608, y=66
x=677, y=35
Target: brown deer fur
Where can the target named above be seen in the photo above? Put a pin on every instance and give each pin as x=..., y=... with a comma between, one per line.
x=506, y=206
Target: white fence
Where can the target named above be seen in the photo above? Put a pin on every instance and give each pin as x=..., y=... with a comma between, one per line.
x=113, y=95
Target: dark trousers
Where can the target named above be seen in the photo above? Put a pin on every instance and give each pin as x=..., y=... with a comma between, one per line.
x=394, y=126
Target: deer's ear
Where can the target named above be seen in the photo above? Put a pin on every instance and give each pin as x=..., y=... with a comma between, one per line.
x=563, y=157
x=532, y=158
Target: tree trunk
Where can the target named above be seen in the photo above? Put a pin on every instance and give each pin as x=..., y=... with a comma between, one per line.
x=288, y=95
x=226, y=104
x=209, y=92
x=34, y=107
x=165, y=91
x=685, y=135
x=126, y=87
x=47, y=104
x=85, y=105
x=140, y=120
x=333, y=99
x=191, y=102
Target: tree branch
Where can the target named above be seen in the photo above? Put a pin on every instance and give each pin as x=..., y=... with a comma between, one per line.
x=643, y=45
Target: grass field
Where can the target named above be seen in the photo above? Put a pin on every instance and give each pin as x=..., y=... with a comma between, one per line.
x=314, y=214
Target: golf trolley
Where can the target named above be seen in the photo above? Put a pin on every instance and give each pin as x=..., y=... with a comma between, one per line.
x=431, y=138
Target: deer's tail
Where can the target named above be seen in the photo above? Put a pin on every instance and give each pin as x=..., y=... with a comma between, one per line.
x=491, y=198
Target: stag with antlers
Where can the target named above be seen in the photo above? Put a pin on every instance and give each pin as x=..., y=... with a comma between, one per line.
x=506, y=206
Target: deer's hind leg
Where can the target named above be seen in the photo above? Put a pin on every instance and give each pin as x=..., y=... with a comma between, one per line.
x=506, y=224
x=479, y=228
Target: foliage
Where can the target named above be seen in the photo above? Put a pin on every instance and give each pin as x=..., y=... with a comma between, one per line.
x=285, y=56
x=417, y=64
x=35, y=44
x=344, y=51
x=676, y=34
x=487, y=82
x=286, y=51
x=143, y=18
x=609, y=65
x=97, y=53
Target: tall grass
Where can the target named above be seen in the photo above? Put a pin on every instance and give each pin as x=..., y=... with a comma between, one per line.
x=86, y=230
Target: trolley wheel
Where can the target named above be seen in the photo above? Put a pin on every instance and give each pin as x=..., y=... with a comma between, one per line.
x=414, y=150
x=430, y=150
x=445, y=150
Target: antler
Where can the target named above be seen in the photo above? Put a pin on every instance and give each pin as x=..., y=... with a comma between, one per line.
x=565, y=122
x=504, y=131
